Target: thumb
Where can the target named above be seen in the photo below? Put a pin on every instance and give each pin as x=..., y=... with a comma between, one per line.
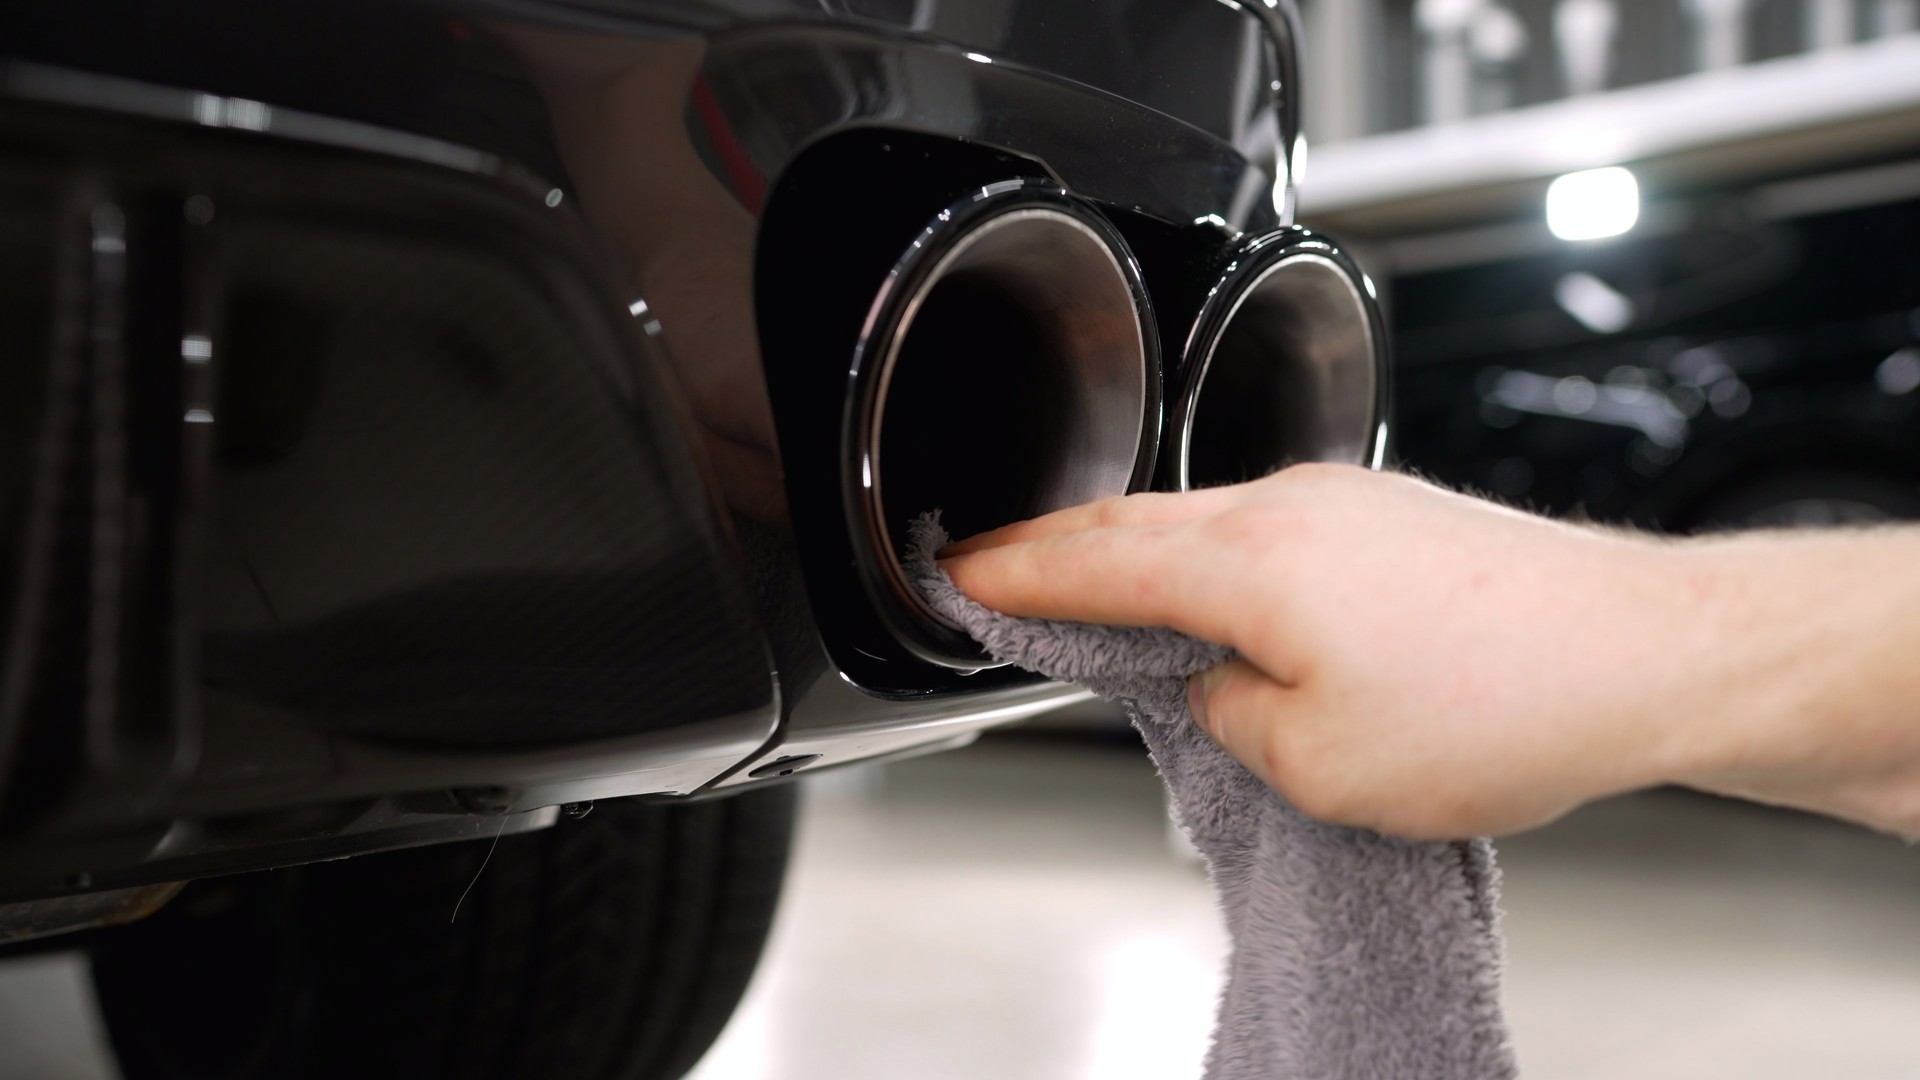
x=1241, y=707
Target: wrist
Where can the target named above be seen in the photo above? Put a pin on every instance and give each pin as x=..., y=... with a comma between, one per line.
x=1807, y=687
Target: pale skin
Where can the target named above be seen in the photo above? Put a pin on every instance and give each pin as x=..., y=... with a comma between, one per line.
x=1433, y=665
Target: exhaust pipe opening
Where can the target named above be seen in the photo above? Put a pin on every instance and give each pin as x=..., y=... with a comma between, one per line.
x=1290, y=367
x=1017, y=375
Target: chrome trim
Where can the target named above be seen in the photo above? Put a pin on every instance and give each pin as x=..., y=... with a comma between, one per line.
x=1056, y=270
x=1319, y=330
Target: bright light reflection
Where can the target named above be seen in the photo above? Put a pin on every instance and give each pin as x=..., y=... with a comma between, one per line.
x=1593, y=204
x=1899, y=373
x=1592, y=302
x=247, y=115
x=979, y=58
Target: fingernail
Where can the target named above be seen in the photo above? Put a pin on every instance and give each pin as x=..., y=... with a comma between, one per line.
x=1197, y=697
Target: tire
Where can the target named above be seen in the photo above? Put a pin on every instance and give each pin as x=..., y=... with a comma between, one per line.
x=612, y=947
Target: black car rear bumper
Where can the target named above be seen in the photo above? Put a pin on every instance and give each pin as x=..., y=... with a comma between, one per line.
x=428, y=413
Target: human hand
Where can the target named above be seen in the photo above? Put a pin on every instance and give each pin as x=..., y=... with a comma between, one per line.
x=1417, y=661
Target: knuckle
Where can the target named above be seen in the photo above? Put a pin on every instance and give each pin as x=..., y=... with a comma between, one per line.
x=1238, y=530
x=1318, y=471
x=1269, y=544
x=1312, y=475
x=1113, y=510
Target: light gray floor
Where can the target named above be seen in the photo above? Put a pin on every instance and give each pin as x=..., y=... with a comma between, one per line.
x=1016, y=911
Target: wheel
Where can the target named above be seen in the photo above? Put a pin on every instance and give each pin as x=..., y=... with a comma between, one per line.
x=1812, y=500
x=612, y=947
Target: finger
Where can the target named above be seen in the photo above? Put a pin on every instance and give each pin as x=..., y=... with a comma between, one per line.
x=1141, y=509
x=1240, y=706
x=1127, y=577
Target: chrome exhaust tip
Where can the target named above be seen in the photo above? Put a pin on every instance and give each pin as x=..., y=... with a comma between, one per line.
x=1008, y=368
x=1287, y=363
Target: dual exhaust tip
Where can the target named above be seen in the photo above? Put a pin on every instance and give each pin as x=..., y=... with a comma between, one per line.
x=1011, y=366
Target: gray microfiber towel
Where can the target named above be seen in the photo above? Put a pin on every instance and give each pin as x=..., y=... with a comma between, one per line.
x=1355, y=955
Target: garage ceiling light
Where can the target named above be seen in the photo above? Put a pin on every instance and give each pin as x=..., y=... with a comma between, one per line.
x=1593, y=204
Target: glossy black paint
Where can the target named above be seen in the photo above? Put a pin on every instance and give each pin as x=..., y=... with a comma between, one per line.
x=626, y=163
x=326, y=452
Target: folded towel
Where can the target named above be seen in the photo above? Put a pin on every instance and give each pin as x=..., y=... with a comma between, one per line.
x=1355, y=955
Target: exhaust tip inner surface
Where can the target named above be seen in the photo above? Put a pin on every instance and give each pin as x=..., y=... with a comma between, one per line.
x=1017, y=381
x=1292, y=376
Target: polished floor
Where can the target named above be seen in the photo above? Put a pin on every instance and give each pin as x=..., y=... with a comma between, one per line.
x=1018, y=911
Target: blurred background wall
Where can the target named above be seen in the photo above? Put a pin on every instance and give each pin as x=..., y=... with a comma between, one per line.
x=1645, y=260
x=1386, y=65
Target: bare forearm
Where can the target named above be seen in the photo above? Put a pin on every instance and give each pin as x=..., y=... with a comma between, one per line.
x=1428, y=664
x=1820, y=677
